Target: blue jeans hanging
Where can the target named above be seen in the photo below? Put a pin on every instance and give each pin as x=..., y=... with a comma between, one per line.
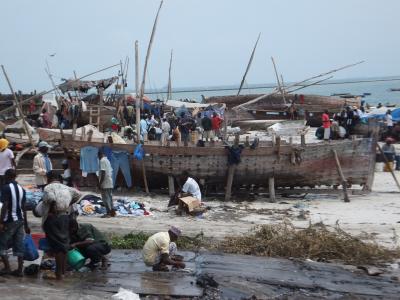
x=120, y=160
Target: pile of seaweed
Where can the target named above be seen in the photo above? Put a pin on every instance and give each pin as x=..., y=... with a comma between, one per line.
x=315, y=242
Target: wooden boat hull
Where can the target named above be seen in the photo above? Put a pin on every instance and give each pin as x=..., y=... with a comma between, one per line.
x=291, y=166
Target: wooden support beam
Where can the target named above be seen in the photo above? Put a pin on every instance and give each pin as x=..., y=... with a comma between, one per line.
x=146, y=187
x=171, y=185
x=343, y=179
x=271, y=188
x=303, y=140
x=229, y=181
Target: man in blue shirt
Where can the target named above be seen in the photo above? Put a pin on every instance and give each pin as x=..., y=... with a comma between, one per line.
x=12, y=222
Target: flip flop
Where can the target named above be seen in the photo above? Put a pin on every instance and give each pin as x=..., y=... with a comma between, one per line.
x=49, y=276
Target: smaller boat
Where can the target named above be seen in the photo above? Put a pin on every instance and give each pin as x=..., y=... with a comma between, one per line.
x=15, y=133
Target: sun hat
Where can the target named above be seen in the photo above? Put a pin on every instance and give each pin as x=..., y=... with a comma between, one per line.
x=175, y=230
x=43, y=144
x=3, y=144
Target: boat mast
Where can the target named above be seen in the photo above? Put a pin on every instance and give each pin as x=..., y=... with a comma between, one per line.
x=169, y=94
x=148, y=55
x=248, y=65
x=137, y=98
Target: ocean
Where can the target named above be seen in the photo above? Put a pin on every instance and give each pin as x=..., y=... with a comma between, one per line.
x=377, y=89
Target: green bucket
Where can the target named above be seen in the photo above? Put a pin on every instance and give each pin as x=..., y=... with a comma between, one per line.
x=75, y=259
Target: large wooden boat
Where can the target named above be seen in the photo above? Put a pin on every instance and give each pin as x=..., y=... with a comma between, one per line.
x=291, y=165
x=308, y=107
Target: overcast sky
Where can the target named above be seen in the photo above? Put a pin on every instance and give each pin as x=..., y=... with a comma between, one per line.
x=212, y=39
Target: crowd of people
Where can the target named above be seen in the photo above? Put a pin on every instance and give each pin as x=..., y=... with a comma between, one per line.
x=175, y=126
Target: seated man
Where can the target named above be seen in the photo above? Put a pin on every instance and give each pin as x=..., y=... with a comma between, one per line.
x=90, y=242
x=190, y=187
x=160, y=249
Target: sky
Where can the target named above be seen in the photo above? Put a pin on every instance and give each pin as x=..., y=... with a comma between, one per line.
x=211, y=39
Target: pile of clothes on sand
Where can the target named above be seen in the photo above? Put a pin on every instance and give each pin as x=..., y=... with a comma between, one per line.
x=92, y=205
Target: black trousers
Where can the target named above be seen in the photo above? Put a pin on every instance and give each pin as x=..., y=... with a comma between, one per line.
x=95, y=251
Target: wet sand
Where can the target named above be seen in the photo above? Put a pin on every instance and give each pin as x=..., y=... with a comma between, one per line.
x=239, y=277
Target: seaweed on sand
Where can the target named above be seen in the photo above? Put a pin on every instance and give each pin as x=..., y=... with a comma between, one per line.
x=314, y=242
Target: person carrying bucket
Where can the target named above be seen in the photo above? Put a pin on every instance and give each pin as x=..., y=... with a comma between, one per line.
x=56, y=211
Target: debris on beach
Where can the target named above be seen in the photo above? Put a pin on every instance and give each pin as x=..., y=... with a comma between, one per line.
x=315, y=242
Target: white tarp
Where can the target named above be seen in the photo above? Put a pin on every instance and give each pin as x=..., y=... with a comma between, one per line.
x=177, y=104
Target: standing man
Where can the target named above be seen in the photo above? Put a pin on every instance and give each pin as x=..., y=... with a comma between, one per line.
x=389, y=122
x=42, y=164
x=13, y=221
x=160, y=249
x=144, y=127
x=216, y=121
x=7, y=160
x=166, y=128
x=207, y=127
x=326, y=123
x=184, y=128
x=106, y=184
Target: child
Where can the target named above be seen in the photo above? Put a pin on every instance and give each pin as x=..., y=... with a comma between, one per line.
x=66, y=176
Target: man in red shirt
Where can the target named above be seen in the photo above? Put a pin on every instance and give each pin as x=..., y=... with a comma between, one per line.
x=326, y=123
x=216, y=122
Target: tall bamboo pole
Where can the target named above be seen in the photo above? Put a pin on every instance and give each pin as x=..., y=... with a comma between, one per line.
x=279, y=83
x=21, y=113
x=248, y=65
x=169, y=94
x=137, y=99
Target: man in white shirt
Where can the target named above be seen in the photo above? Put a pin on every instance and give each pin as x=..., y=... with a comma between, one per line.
x=389, y=121
x=42, y=164
x=166, y=128
x=106, y=184
x=191, y=186
x=7, y=160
